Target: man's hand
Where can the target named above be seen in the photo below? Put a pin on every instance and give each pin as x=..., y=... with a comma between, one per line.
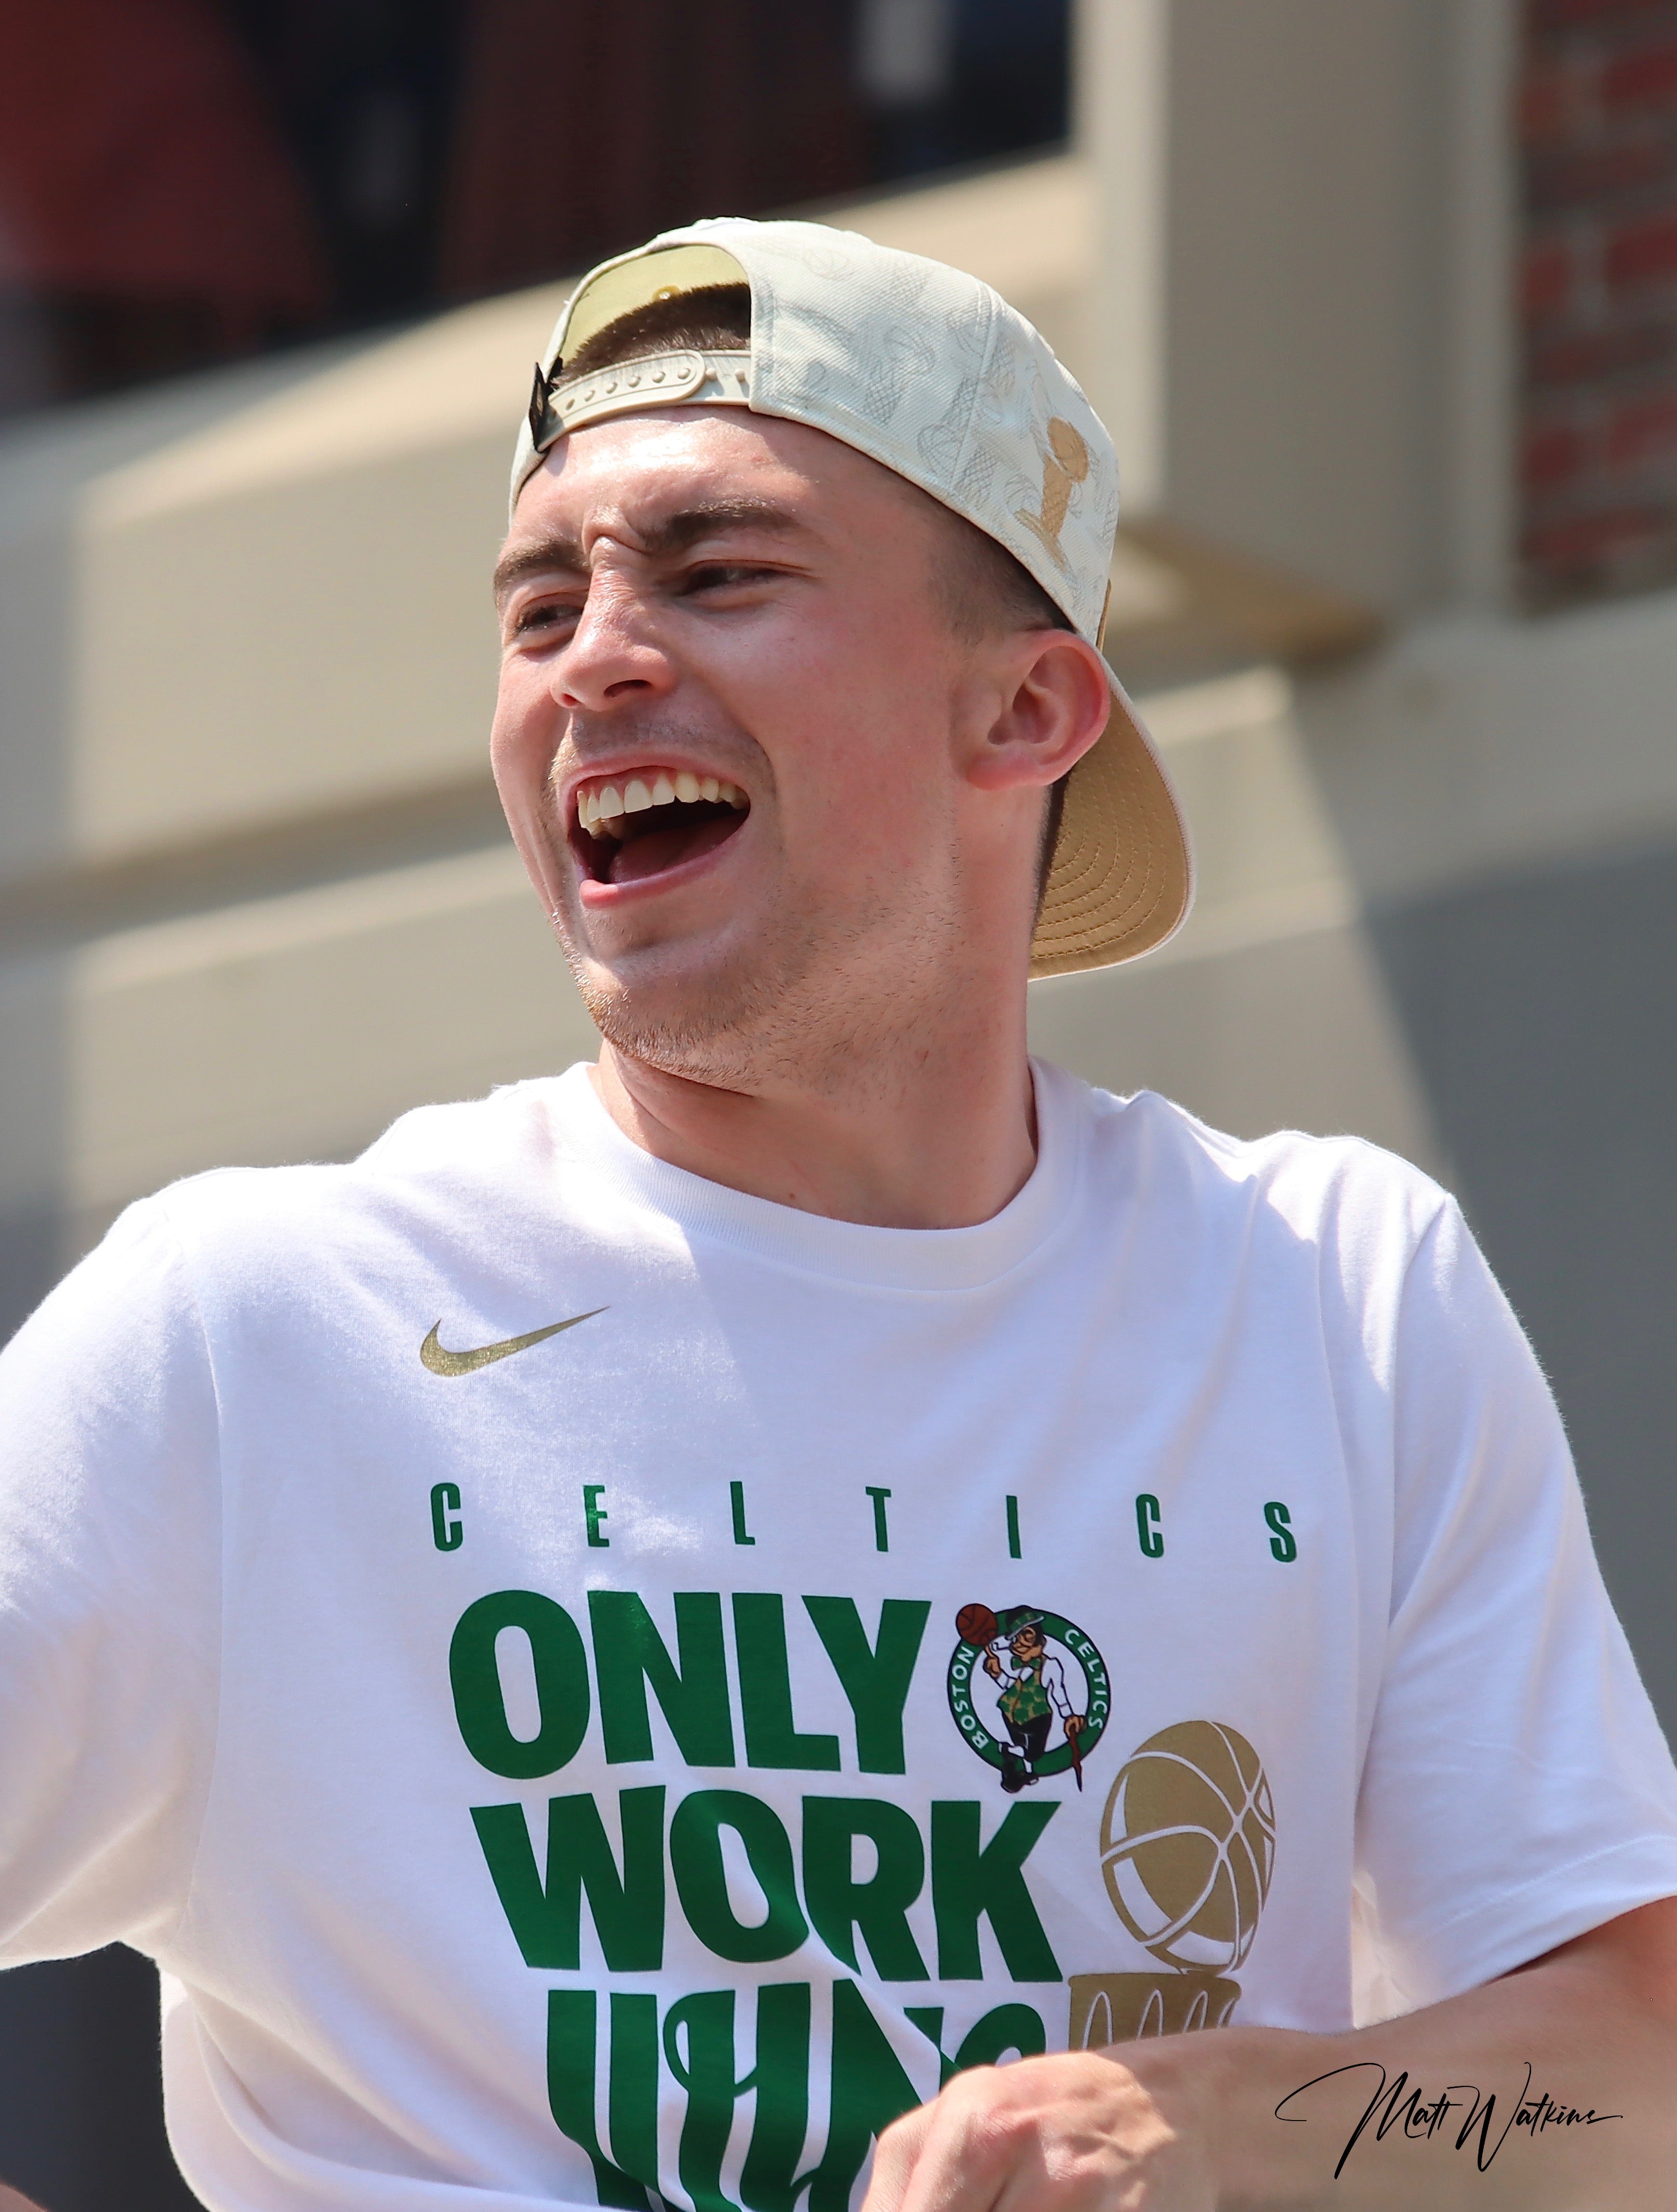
x=1190, y=2123
x=11, y=2202
x=1077, y=2133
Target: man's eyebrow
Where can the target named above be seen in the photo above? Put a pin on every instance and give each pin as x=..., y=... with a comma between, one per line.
x=542, y=556
x=710, y=518
x=674, y=533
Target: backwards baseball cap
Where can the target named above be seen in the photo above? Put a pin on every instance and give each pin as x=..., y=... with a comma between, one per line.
x=931, y=374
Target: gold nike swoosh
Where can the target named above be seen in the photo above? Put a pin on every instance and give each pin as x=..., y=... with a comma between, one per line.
x=441, y=1361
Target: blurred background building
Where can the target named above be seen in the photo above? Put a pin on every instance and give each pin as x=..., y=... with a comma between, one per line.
x=1382, y=303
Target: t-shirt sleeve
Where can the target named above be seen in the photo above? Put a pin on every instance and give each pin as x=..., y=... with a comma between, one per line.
x=1518, y=1790
x=109, y=1599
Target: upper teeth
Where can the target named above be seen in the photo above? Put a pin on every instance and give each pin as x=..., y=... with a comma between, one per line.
x=600, y=805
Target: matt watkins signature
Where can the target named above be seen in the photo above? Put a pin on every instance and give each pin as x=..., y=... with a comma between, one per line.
x=1420, y=2118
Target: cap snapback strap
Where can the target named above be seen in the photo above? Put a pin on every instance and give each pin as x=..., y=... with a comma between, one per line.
x=685, y=375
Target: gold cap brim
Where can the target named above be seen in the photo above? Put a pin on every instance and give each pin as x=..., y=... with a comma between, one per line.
x=1121, y=880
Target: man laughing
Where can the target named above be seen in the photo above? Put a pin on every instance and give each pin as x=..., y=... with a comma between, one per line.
x=486, y=1618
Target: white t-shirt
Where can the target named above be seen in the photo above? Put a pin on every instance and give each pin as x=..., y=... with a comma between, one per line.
x=577, y=1770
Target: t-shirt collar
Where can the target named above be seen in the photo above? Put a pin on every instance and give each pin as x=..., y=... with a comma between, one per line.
x=849, y=1251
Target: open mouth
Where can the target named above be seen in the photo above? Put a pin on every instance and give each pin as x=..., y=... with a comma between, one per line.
x=630, y=828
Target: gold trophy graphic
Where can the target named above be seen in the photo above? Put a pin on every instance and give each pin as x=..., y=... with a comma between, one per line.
x=1187, y=1846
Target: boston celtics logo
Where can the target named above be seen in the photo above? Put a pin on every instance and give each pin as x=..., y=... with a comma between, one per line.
x=1028, y=1690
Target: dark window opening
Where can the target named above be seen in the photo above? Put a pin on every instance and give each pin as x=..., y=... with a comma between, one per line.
x=189, y=181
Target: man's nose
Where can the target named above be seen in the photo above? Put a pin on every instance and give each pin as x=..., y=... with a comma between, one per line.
x=613, y=654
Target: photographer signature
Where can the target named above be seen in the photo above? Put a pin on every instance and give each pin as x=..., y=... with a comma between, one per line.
x=1422, y=2118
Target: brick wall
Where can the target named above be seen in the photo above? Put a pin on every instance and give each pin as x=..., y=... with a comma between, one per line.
x=1598, y=125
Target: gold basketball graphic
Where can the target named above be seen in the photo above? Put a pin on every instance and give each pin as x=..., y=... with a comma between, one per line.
x=1187, y=1845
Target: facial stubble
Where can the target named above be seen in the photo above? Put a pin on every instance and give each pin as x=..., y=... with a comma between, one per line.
x=822, y=1000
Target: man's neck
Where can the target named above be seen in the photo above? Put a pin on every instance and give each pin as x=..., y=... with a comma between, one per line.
x=946, y=1144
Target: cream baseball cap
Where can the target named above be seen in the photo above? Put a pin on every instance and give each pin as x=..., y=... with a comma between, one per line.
x=928, y=371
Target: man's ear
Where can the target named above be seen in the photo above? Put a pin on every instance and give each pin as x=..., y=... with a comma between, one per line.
x=1053, y=703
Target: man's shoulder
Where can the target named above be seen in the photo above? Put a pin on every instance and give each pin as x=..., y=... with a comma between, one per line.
x=458, y=1163
x=1317, y=1188
x=234, y=1256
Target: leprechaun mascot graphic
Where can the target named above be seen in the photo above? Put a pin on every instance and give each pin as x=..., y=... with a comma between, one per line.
x=1033, y=1694
x=1042, y=1677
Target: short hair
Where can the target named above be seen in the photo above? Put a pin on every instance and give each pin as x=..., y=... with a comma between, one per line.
x=981, y=587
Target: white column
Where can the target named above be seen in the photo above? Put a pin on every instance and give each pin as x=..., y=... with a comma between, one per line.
x=1121, y=107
